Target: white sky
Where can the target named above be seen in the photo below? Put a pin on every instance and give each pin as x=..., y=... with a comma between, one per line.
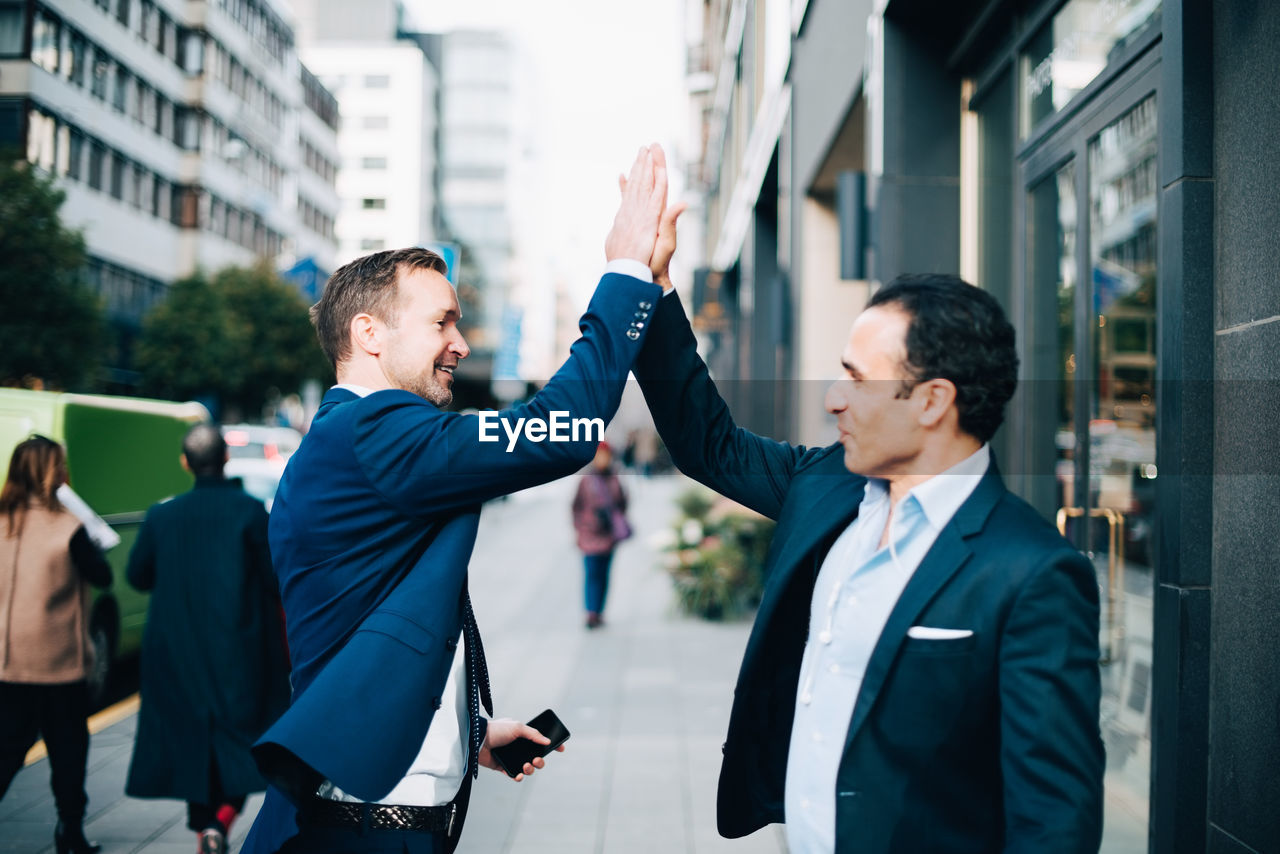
x=606, y=76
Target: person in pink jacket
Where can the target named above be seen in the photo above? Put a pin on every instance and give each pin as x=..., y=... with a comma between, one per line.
x=599, y=517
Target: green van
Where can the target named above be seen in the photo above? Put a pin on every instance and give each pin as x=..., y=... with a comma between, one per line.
x=122, y=457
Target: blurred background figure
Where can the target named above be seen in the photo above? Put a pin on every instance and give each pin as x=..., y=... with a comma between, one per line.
x=214, y=665
x=599, y=517
x=48, y=563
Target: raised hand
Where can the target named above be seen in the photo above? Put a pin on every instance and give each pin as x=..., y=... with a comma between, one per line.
x=644, y=194
x=665, y=246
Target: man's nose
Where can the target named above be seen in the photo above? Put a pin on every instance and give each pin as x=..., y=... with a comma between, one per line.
x=459, y=346
x=835, y=401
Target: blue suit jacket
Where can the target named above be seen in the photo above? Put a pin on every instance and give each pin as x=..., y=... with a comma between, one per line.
x=370, y=533
x=984, y=744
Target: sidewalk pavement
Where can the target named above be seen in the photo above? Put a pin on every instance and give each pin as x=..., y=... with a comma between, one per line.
x=646, y=699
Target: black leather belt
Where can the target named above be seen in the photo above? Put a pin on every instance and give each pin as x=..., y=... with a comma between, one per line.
x=321, y=812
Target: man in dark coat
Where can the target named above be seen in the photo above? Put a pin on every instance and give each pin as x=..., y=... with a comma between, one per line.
x=214, y=666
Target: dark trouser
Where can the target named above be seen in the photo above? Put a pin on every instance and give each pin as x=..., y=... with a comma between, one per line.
x=597, y=578
x=58, y=713
x=204, y=816
x=341, y=840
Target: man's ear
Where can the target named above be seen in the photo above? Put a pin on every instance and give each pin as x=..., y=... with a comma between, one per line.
x=366, y=333
x=182, y=458
x=938, y=396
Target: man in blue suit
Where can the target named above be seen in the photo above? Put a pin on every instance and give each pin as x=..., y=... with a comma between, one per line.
x=922, y=675
x=372, y=528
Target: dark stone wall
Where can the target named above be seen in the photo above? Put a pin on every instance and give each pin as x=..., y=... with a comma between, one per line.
x=916, y=224
x=1244, y=786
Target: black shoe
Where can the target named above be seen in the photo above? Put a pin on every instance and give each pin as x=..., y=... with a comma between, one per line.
x=212, y=841
x=68, y=838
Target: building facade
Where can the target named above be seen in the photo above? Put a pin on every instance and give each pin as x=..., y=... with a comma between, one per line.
x=174, y=129
x=387, y=89
x=1102, y=167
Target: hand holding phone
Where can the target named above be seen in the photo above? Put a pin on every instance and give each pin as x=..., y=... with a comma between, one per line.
x=512, y=757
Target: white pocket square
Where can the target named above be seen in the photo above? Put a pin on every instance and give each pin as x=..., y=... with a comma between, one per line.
x=930, y=633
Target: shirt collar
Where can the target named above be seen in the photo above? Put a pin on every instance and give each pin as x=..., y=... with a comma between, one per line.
x=941, y=495
x=357, y=390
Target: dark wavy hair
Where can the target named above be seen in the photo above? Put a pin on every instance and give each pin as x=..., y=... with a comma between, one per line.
x=959, y=333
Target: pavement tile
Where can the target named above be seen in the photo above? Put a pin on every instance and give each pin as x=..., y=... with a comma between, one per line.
x=646, y=699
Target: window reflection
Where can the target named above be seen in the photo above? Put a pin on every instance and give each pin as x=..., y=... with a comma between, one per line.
x=1123, y=183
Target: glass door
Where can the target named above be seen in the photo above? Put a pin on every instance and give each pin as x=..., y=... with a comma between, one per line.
x=1090, y=274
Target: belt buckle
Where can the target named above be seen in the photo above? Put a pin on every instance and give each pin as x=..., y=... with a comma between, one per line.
x=453, y=814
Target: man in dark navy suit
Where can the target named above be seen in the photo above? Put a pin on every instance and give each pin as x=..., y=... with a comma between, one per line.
x=922, y=675
x=372, y=528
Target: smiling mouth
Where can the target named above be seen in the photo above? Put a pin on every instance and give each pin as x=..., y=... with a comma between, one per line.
x=447, y=369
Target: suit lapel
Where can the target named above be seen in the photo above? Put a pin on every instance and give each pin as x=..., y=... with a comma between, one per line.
x=828, y=512
x=943, y=560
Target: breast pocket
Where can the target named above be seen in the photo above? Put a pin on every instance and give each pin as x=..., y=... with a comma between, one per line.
x=927, y=690
x=939, y=646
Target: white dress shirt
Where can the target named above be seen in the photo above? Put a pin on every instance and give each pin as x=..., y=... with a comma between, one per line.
x=857, y=588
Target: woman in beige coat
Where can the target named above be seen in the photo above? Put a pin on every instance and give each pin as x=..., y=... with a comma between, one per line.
x=47, y=562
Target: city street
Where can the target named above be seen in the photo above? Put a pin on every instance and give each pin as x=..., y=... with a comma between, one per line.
x=646, y=699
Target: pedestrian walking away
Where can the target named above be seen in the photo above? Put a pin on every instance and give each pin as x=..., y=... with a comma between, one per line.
x=214, y=668
x=600, y=521
x=47, y=563
x=372, y=529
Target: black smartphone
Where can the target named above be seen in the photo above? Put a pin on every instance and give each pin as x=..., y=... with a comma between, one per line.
x=513, y=756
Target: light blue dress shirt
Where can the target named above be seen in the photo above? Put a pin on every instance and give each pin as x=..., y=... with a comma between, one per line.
x=856, y=589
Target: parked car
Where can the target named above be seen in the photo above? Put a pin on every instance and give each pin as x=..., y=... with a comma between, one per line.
x=122, y=457
x=261, y=442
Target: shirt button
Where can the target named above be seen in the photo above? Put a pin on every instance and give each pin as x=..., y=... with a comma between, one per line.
x=451, y=644
x=435, y=702
x=817, y=737
x=804, y=802
x=835, y=668
x=824, y=636
x=806, y=698
x=852, y=600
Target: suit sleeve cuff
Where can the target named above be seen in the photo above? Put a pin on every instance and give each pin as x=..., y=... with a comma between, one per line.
x=630, y=267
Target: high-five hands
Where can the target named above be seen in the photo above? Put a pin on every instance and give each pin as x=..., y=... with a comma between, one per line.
x=644, y=196
x=665, y=244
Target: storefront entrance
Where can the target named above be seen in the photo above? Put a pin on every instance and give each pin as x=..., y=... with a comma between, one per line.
x=1089, y=214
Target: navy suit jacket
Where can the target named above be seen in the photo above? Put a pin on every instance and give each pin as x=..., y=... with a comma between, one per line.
x=984, y=744
x=370, y=534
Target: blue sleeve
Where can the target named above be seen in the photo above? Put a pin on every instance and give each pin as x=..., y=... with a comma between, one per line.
x=696, y=425
x=425, y=461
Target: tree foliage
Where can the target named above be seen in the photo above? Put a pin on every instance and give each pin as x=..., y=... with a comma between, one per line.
x=51, y=323
x=278, y=347
x=240, y=337
x=188, y=347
